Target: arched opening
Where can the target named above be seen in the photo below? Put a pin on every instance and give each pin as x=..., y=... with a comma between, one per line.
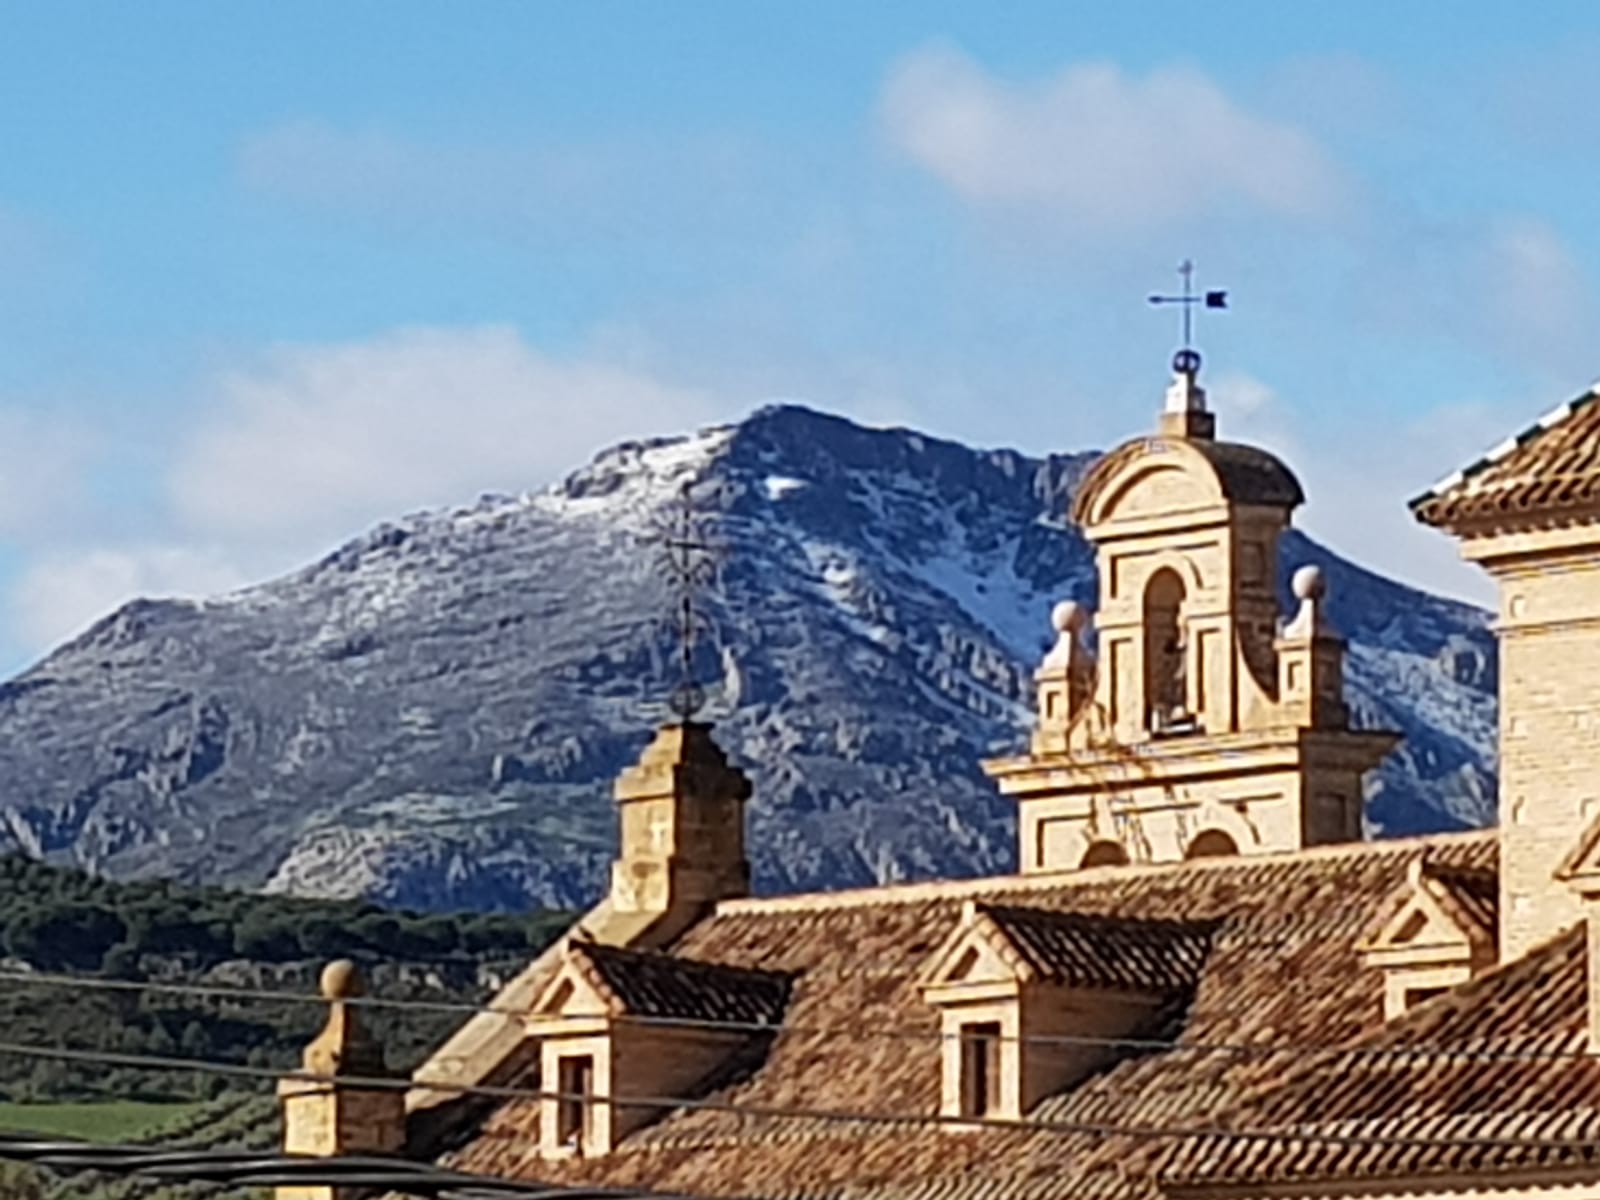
x=1105, y=854
x=1165, y=654
x=1213, y=843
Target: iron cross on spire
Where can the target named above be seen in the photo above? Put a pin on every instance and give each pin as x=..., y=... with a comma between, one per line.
x=1187, y=302
x=687, y=557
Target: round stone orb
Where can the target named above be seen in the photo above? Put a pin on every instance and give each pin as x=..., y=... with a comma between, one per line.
x=341, y=980
x=1309, y=583
x=1068, y=617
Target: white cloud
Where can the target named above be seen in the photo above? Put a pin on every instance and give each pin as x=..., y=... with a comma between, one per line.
x=1357, y=484
x=1100, y=149
x=313, y=442
x=59, y=594
x=1537, y=296
x=1510, y=286
x=44, y=464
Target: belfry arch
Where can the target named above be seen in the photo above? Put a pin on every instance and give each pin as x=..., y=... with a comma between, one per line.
x=1165, y=651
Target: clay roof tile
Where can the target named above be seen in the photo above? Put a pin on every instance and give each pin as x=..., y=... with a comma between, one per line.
x=1550, y=468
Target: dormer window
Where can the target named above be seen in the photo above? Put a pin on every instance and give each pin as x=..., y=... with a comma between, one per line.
x=574, y=1103
x=1435, y=932
x=980, y=1069
x=1014, y=986
x=615, y=1024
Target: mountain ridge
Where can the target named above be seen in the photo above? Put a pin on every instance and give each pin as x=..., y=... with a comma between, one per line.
x=431, y=714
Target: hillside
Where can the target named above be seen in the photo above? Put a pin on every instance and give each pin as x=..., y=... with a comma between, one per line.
x=58, y=926
x=432, y=715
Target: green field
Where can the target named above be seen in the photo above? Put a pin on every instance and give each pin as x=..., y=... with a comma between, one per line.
x=113, y=1121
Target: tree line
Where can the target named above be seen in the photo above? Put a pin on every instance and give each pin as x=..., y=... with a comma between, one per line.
x=61, y=919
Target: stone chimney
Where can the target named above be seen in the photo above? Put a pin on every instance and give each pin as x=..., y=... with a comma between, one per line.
x=323, y=1115
x=680, y=812
x=681, y=816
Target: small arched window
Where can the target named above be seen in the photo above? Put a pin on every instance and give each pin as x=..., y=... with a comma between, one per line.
x=1105, y=854
x=1213, y=843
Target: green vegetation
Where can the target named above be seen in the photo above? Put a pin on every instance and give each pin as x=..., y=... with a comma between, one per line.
x=60, y=919
x=232, y=1123
x=107, y=1121
x=64, y=921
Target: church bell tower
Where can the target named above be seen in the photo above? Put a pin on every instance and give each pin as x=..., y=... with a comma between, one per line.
x=1205, y=722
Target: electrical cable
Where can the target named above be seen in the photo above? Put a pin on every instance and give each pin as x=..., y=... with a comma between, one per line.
x=273, y=1169
x=785, y=1112
x=1154, y=1045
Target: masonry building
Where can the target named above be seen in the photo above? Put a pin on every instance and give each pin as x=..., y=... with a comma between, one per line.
x=1200, y=982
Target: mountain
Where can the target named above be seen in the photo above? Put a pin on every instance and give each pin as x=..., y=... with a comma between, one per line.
x=432, y=715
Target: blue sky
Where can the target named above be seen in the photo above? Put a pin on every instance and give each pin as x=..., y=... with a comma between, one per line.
x=270, y=272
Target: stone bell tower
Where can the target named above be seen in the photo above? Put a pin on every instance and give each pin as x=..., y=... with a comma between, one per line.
x=1203, y=723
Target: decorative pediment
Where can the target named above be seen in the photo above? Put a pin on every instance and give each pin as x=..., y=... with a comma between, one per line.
x=1432, y=915
x=1580, y=870
x=1183, y=472
x=577, y=992
x=1146, y=477
x=598, y=981
x=1436, y=931
x=976, y=956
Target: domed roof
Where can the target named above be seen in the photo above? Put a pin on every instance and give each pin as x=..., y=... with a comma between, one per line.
x=1239, y=474
x=1251, y=475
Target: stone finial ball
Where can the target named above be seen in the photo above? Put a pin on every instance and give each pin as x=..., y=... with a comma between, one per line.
x=1308, y=583
x=341, y=980
x=1068, y=617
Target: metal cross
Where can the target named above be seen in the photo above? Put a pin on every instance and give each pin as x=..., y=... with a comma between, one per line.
x=1187, y=301
x=688, y=559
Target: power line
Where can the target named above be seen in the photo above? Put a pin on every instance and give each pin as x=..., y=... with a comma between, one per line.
x=789, y=1112
x=1150, y=1044
x=235, y=1168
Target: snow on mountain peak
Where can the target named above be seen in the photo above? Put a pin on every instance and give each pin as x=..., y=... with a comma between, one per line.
x=433, y=713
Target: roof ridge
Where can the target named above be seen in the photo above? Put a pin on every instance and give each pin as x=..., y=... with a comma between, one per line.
x=666, y=958
x=1069, y=916
x=1045, y=881
x=1549, y=420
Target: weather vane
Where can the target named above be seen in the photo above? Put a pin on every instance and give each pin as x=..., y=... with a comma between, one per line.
x=1187, y=360
x=687, y=558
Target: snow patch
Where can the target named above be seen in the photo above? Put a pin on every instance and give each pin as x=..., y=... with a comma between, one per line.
x=779, y=486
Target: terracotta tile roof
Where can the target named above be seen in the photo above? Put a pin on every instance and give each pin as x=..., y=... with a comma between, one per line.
x=668, y=987
x=1512, y=1078
x=1282, y=971
x=1552, y=466
x=1475, y=895
x=1093, y=950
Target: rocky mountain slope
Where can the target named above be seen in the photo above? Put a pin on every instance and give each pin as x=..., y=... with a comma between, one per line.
x=432, y=715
